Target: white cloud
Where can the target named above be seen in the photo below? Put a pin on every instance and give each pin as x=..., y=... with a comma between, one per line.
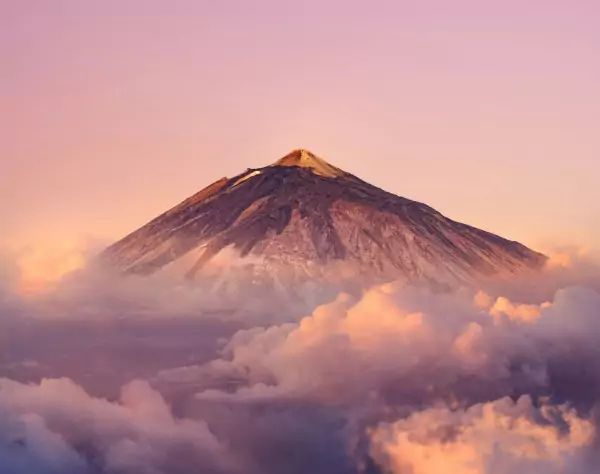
x=55, y=426
x=362, y=375
x=355, y=346
x=500, y=437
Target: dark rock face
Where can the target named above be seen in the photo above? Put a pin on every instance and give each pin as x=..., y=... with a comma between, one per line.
x=304, y=218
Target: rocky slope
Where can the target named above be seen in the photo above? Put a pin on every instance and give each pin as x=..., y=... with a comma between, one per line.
x=302, y=219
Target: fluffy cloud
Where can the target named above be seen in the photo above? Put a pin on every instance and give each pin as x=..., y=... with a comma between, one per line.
x=56, y=426
x=398, y=353
x=382, y=380
x=404, y=344
x=500, y=437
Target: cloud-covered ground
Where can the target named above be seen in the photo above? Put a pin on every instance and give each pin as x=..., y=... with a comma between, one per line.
x=105, y=375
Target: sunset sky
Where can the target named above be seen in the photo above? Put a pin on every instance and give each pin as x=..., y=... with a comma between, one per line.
x=114, y=111
x=297, y=320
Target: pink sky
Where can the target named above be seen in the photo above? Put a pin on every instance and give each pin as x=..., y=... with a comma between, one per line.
x=115, y=110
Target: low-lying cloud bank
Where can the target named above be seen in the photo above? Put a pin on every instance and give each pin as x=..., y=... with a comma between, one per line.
x=405, y=345
x=394, y=379
x=57, y=427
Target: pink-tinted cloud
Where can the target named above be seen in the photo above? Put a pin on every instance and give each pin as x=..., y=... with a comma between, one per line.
x=497, y=437
x=57, y=427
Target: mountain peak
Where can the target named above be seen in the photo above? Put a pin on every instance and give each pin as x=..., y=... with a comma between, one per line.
x=303, y=158
x=302, y=219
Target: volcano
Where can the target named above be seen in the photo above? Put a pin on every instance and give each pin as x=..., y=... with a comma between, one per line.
x=302, y=219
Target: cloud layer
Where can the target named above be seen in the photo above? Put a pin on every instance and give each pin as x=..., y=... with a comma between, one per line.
x=389, y=379
x=57, y=427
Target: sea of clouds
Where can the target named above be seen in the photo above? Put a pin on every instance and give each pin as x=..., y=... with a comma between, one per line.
x=105, y=374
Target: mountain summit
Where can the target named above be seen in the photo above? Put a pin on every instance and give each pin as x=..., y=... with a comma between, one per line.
x=303, y=219
x=305, y=159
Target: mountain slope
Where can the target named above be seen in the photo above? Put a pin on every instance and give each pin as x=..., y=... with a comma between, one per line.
x=303, y=218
